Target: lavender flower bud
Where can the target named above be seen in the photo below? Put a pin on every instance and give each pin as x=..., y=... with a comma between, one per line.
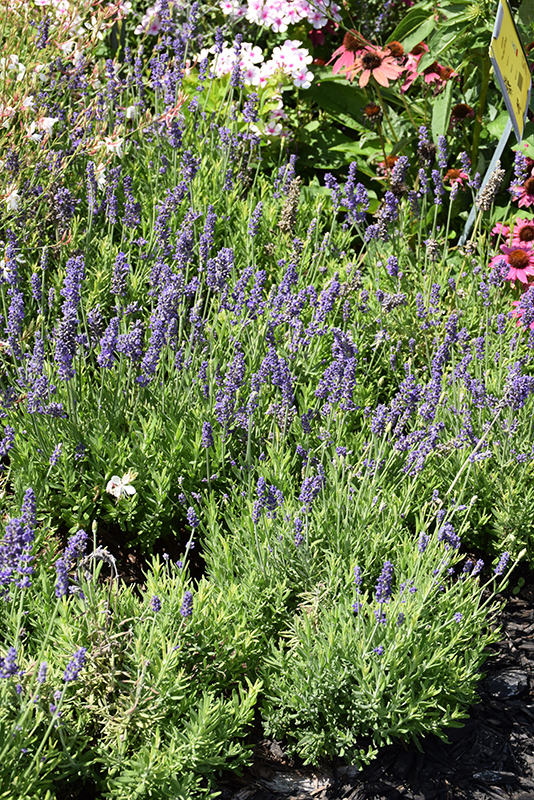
x=187, y=605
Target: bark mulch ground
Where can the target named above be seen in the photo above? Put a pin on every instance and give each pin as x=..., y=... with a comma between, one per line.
x=490, y=758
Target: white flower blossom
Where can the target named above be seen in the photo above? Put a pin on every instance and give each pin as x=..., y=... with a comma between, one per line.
x=12, y=198
x=46, y=124
x=121, y=487
x=113, y=145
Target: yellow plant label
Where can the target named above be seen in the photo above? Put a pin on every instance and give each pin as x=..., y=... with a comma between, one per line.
x=511, y=67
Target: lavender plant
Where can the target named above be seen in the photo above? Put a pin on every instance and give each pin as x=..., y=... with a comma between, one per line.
x=312, y=385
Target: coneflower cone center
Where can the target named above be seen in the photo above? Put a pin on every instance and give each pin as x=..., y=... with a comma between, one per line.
x=371, y=61
x=529, y=186
x=519, y=259
x=461, y=111
x=372, y=110
x=352, y=43
x=395, y=49
x=526, y=233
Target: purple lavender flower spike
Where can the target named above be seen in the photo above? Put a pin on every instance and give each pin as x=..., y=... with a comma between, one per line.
x=192, y=517
x=187, y=605
x=207, y=435
x=503, y=563
x=75, y=665
x=8, y=665
x=383, y=587
x=74, y=551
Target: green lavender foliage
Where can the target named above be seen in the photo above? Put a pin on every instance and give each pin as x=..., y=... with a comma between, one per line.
x=162, y=702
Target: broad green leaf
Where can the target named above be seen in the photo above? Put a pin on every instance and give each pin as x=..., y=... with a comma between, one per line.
x=442, y=111
x=442, y=40
x=418, y=35
x=413, y=20
x=343, y=101
x=497, y=126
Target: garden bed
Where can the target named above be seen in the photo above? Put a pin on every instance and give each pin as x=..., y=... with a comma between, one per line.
x=266, y=429
x=490, y=758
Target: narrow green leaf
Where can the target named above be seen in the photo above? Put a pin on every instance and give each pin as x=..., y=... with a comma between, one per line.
x=442, y=111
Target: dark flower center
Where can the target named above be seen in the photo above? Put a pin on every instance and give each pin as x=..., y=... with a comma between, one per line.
x=529, y=186
x=353, y=42
x=371, y=61
x=519, y=259
x=371, y=110
x=445, y=73
x=396, y=49
x=461, y=111
x=526, y=233
x=453, y=174
x=418, y=49
x=432, y=69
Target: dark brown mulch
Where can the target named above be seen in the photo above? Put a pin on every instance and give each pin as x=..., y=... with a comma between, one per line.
x=490, y=758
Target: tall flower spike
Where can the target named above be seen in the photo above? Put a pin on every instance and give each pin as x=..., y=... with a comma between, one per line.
x=488, y=194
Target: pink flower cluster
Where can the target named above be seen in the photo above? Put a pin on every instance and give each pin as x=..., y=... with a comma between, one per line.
x=290, y=60
x=280, y=14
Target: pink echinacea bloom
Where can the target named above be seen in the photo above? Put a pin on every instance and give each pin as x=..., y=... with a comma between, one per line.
x=520, y=262
x=353, y=42
x=525, y=193
x=376, y=63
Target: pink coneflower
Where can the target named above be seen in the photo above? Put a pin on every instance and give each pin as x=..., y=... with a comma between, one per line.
x=396, y=50
x=456, y=176
x=353, y=43
x=460, y=112
x=438, y=74
x=376, y=63
x=525, y=194
x=520, y=261
x=523, y=231
x=414, y=57
x=501, y=229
